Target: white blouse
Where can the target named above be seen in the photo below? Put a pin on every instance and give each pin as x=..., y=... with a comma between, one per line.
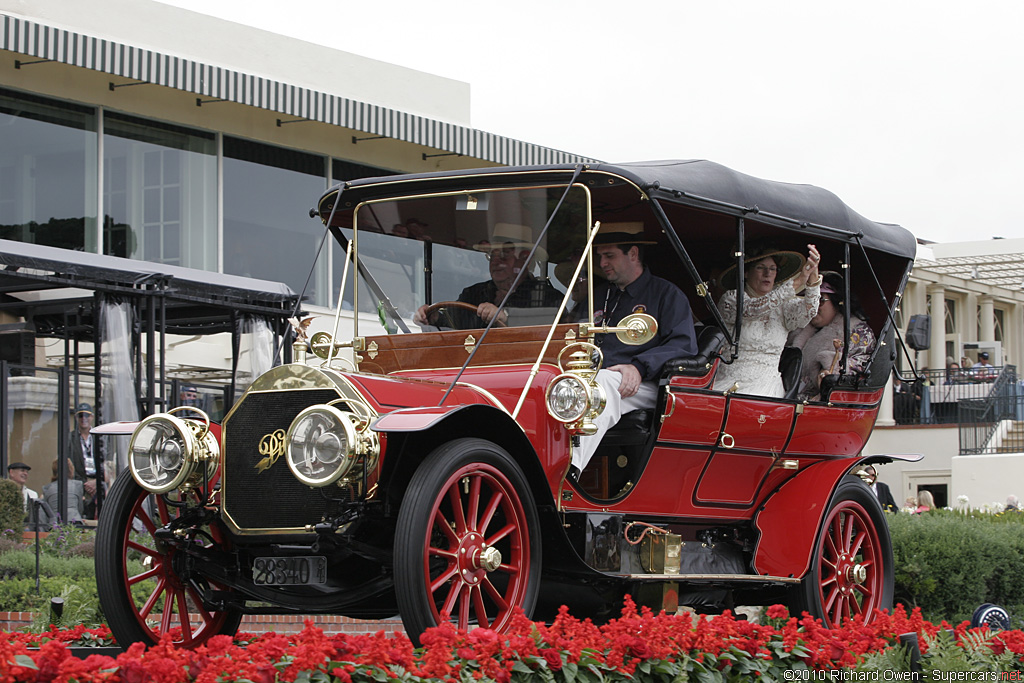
x=767, y=322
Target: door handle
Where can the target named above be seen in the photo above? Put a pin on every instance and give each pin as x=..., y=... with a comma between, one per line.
x=670, y=407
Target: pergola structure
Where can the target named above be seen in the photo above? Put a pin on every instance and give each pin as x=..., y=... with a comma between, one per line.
x=60, y=294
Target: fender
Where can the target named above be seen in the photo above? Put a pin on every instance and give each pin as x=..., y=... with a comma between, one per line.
x=413, y=419
x=789, y=522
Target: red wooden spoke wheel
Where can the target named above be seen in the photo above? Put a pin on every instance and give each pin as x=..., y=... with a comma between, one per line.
x=142, y=604
x=851, y=572
x=467, y=546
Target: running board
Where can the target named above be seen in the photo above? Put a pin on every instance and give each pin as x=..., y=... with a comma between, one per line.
x=709, y=578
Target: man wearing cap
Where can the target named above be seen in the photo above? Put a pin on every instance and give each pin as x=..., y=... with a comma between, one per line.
x=82, y=457
x=18, y=473
x=983, y=370
x=630, y=373
x=506, y=252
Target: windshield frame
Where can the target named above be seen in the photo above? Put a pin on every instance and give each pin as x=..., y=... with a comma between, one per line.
x=464, y=192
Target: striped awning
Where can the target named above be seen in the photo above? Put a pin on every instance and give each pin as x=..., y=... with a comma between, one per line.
x=40, y=41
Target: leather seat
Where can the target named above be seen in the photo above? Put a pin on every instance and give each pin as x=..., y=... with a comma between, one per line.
x=790, y=364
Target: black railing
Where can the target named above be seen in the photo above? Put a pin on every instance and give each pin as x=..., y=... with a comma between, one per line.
x=989, y=425
x=935, y=398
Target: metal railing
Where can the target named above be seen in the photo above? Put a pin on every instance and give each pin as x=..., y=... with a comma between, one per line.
x=990, y=424
x=935, y=399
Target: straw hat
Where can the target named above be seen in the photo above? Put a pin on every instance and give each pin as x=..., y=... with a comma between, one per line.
x=631, y=232
x=505, y=233
x=788, y=262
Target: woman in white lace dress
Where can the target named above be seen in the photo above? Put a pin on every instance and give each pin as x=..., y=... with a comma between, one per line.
x=771, y=310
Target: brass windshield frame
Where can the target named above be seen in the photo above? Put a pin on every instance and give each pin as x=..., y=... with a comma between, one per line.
x=587, y=257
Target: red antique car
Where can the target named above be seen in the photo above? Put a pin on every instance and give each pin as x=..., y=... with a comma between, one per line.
x=420, y=469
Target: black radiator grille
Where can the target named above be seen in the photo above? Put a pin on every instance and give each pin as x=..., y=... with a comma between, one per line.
x=273, y=498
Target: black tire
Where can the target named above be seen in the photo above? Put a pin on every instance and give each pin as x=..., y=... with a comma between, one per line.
x=129, y=508
x=475, y=486
x=852, y=565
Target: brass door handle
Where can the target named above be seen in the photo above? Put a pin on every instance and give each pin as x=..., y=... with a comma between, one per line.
x=671, y=406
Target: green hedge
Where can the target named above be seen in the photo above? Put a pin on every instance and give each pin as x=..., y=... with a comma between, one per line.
x=948, y=563
x=18, y=583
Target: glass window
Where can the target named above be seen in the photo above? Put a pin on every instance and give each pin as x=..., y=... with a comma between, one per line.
x=159, y=192
x=268, y=233
x=47, y=172
x=469, y=249
x=950, y=316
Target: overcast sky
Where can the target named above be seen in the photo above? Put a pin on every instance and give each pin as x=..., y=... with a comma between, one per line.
x=912, y=112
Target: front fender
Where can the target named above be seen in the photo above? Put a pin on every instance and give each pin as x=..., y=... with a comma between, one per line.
x=788, y=523
x=413, y=433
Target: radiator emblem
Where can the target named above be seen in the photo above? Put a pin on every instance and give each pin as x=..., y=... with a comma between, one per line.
x=272, y=448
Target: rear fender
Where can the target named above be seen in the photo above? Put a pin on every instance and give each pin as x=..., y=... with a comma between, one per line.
x=413, y=433
x=789, y=521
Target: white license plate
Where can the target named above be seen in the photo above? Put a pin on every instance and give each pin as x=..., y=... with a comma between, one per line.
x=289, y=571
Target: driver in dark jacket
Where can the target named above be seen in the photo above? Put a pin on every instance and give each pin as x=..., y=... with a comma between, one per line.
x=506, y=254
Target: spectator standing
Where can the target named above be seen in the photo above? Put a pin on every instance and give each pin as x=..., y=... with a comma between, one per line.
x=925, y=501
x=83, y=458
x=880, y=489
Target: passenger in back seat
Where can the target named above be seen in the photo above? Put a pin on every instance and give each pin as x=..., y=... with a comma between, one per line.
x=630, y=373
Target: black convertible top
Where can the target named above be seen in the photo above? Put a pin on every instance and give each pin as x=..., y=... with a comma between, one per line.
x=699, y=183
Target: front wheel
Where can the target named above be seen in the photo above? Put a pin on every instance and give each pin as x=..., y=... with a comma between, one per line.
x=467, y=548
x=852, y=567
x=139, y=577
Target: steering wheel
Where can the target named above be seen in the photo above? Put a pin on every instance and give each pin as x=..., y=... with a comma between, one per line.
x=429, y=312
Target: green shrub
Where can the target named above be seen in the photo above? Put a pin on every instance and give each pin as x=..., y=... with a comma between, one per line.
x=949, y=563
x=73, y=576
x=23, y=563
x=12, y=510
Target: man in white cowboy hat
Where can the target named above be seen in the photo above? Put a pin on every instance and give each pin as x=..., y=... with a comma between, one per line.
x=630, y=373
x=506, y=252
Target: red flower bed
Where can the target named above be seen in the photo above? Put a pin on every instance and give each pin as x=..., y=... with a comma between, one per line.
x=638, y=644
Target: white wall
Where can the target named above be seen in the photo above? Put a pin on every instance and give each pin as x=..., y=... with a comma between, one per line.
x=987, y=479
x=939, y=445
x=183, y=33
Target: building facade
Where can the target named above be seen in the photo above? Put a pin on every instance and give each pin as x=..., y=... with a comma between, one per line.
x=973, y=293
x=140, y=131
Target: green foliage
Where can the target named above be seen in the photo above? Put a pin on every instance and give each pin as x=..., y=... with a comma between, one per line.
x=79, y=608
x=63, y=539
x=57, y=575
x=23, y=563
x=949, y=563
x=12, y=510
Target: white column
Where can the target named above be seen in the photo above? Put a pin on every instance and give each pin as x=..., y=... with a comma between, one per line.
x=1015, y=336
x=987, y=322
x=885, y=418
x=936, y=358
x=969, y=329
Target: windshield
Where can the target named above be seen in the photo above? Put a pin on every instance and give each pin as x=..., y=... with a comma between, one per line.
x=471, y=249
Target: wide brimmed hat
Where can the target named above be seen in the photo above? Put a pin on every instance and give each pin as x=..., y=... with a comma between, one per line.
x=631, y=232
x=519, y=236
x=508, y=233
x=789, y=264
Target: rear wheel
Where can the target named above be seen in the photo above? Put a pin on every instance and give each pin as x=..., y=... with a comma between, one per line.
x=852, y=567
x=143, y=602
x=467, y=547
